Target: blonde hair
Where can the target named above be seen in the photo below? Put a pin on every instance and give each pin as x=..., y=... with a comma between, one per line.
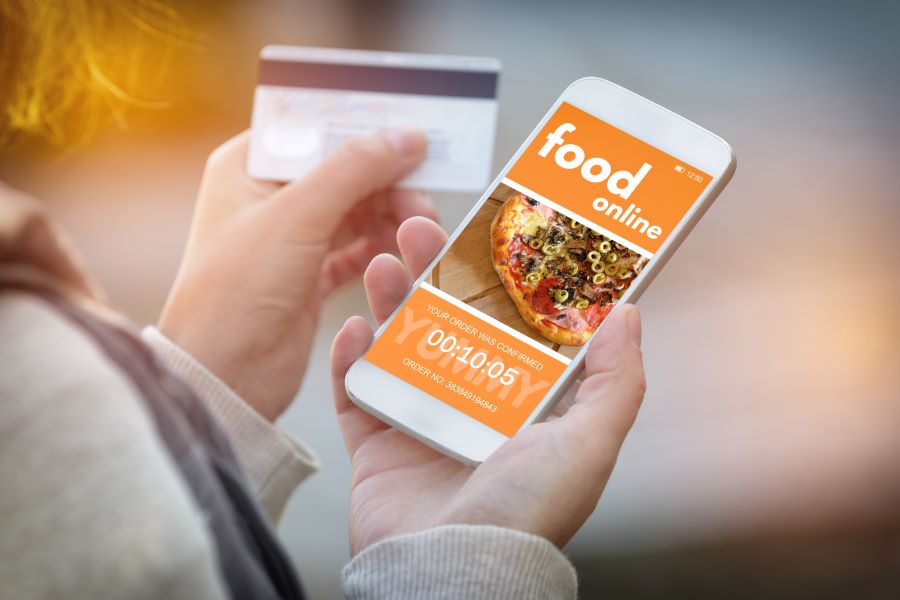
x=69, y=66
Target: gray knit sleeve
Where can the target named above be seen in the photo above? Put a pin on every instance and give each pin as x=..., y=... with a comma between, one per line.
x=461, y=561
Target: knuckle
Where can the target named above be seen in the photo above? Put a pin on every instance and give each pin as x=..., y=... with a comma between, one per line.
x=640, y=384
x=226, y=153
x=640, y=376
x=217, y=157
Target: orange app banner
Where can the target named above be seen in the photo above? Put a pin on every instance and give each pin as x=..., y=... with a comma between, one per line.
x=608, y=177
x=465, y=361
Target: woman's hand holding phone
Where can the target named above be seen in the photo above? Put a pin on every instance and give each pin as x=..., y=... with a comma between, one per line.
x=263, y=258
x=546, y=480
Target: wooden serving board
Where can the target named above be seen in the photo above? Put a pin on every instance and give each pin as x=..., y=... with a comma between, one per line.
x=467, y=273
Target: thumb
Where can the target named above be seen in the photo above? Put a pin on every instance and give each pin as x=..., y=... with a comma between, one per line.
x=608, y=399
x=349, y=344
x=322, y=198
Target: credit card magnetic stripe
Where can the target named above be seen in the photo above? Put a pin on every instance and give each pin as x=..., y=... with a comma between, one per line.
x=372, y=78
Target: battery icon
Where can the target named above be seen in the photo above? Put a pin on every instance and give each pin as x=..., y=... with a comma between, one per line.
x=679, y=168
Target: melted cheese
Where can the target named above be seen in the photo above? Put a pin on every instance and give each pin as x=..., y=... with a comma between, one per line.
x=534, y=222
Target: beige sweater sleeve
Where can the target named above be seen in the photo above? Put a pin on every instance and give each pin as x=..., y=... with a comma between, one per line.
x=91, y=505
x=461, y=561
x=273, y=461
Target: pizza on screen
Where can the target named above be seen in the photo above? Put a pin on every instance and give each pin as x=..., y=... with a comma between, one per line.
x=563, y=276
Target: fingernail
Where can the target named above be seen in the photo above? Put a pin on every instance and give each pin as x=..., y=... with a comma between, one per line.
x=406, y=142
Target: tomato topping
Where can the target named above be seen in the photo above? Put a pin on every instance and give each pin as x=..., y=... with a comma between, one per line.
x=595, y=314
x=541, y=300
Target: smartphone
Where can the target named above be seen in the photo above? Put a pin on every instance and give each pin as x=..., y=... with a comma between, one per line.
x=582, y=218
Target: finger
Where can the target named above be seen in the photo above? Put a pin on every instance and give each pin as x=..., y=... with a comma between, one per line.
x=609, y=397
x=406, y=204
x=386, y=285
x=320, y=200
x=370, y=232
x=621, y=329
x=225, y=189
x=226, y=167
x=349, y=344
x=347, y=263
x=369, y=218
x=378, y=216
x=419, y=240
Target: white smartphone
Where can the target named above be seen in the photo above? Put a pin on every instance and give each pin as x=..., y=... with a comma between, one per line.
x=582, y=218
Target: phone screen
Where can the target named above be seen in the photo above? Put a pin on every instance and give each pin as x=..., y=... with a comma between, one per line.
x=532, y=275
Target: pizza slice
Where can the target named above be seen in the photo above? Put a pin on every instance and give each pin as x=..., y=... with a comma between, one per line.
x=563, y=277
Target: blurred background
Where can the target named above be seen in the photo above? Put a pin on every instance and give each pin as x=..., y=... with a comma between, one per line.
x=766, y=460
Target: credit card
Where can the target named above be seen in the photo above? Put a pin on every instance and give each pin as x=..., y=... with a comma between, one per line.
x=310, y=100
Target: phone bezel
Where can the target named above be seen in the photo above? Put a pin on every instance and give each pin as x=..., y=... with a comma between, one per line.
x=463, y=437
